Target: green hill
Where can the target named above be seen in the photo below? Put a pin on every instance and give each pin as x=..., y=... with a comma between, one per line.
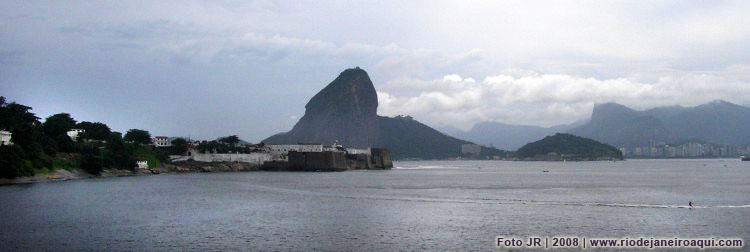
x=571, y=147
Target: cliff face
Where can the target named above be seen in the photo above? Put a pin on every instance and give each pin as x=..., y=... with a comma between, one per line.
x=346, y=110
x=717, y=122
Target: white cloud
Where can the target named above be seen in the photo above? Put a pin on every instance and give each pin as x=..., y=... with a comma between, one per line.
x=548, y=99
x=452, y=78
x=528, y=62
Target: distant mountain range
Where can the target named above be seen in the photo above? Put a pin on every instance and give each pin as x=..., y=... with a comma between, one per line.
x=717, y=122
x=345, y=111
x=509, y=136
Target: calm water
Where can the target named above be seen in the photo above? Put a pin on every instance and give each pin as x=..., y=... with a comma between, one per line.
x=441, y=205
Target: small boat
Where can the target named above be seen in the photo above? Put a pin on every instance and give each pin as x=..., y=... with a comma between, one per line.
x=744, y=158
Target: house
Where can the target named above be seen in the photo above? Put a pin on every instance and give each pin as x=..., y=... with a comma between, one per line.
x=161, y=141
x=5, y=137
x=141, y=164
x=73, y=133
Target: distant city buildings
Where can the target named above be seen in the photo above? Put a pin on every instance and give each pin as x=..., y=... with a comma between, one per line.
x=5, y=137
x=73, y=133
x=473, y=150
x=686, y=150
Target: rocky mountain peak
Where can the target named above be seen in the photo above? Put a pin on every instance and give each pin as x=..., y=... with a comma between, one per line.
x=351, y=94
x=608, y=110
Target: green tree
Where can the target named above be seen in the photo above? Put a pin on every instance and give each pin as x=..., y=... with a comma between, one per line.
x=94, y=131
x=65, y=144
x=18, y=119
x=138, y=136
x=231, y=140
x=179, y=146
x=12, y=163
x=91, y=159
x=118, y=153
x=58, y=124
x=213, y=147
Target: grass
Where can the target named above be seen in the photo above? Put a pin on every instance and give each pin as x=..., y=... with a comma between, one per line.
x=59, y=163
x=149, y=157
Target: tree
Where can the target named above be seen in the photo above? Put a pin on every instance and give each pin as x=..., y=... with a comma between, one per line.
x=179, y=146
x=94, y=131
x=65, y=144
x=18, y=119
x=12, y=163
x=231, y=140
x=91, y=159
x=58, y=124
x=118, y=153
x=138, y=136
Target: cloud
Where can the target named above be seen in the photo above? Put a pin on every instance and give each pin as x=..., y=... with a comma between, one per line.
x=445, y=62
x=548, y=99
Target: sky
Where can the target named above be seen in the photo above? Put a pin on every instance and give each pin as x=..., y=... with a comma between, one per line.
x=206, y=69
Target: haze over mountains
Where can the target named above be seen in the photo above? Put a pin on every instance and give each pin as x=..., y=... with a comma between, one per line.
x=346, y=111
x=508, y=136
x=717, y=122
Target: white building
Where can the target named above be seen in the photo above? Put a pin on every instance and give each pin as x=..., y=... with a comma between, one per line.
x=5, y=137
x=73, y=133
x=280, y=151
x=335, y=147
x=359, y=151
x=141, y=164
x=161, y=141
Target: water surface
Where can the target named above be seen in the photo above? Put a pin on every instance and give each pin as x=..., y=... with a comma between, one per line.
x=434, y=205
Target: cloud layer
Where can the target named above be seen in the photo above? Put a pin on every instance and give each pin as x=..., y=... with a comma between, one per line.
x=213, y=68
x=525, y=97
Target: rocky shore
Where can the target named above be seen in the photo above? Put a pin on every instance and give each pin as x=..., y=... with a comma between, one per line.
x=63, y=175
x=177, y=167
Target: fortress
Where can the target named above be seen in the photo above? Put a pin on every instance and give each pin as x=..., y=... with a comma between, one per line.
x=295, y=157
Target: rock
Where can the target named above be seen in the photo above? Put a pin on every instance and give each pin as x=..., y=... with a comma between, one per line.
x=346, y=110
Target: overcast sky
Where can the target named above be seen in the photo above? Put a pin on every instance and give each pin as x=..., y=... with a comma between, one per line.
x=215, y=68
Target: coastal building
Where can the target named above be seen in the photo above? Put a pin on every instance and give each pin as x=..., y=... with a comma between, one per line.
x=335, y=147
x=5, y=137
x=358, y=151
x=73, y=133
x=281, y=151
x=473, y=150
x=141, y=164
x=161, y=141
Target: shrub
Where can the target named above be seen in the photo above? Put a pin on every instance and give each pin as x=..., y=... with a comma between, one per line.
x=12, y=163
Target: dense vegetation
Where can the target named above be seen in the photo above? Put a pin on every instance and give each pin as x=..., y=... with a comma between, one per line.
x=228, y=144
x=40, y=147
x=572, y=146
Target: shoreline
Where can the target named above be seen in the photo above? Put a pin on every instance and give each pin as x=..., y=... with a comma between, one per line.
x=66, y=175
